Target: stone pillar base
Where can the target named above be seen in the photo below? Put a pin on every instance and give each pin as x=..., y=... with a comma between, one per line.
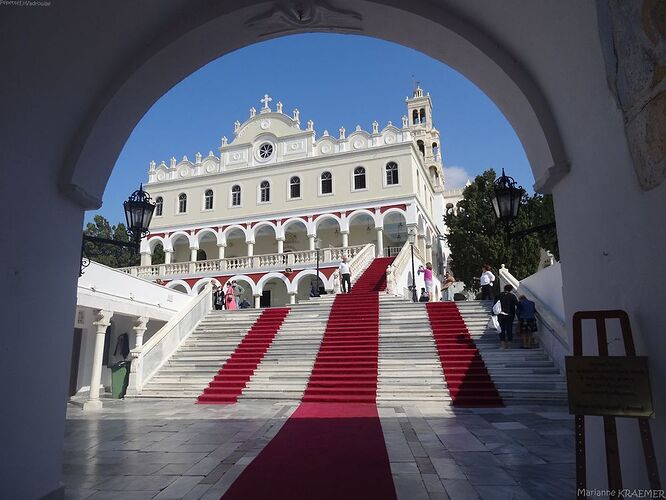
x=92, y=405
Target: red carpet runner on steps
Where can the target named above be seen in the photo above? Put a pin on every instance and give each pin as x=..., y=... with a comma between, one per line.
x=231, y=379
x=332, y=447
x=466, y=375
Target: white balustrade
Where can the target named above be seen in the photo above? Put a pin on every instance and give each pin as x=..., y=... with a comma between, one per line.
x=360, y=260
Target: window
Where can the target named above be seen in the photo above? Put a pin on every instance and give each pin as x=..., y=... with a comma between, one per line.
x=435, y=149
x=359, y=178
x=265, y=191
x=208, y=199
x=159, y=205
x=421, y=147
x=423, y=115
x=326, y=183
x=236, y=196
x=265, y=151
x=182, y=203
x=295, y=187
x=391, y=173
x=415, y=117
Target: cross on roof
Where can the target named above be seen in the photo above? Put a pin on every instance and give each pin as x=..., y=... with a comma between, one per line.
x=266, y=100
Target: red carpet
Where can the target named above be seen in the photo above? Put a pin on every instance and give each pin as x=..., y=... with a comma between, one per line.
x=345, y=369
x=332, y=447
x=466, y=375
x=325, y=451
x=230, y=381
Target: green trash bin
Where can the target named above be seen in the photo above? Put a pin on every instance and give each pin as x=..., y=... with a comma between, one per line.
x=119, y=379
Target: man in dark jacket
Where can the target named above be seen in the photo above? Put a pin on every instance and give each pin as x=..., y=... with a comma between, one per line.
x=509, y=302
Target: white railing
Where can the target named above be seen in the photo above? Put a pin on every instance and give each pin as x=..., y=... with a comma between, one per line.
x=257, y=262
x=148, y=358
x=552, y=331
x=360, y=260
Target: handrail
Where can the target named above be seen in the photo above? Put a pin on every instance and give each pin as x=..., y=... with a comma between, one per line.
x=359, y=260
x=149, y=358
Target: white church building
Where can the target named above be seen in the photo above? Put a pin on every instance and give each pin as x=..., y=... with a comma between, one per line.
x=278, y=200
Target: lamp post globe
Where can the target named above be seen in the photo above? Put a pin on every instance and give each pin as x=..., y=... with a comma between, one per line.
x=506, y=197
x=139, y=209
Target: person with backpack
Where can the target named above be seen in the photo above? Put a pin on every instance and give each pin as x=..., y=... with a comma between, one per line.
x=526, y=311
x=508, y=303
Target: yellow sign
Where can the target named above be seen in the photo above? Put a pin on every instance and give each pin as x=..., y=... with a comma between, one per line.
x=609, y=385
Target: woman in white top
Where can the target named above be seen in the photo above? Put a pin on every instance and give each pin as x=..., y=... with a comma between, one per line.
x=345, y=275
x=487, y=279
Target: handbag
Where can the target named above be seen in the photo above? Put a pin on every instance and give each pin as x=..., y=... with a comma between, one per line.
x=497, y=308
x=493, y=322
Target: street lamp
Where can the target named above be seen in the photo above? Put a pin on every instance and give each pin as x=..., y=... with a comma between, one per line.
x=506, y=198
x=139, y=210
x=411, y=235
x=317, y=243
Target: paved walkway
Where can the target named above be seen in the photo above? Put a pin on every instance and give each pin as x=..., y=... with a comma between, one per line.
x=166, y=449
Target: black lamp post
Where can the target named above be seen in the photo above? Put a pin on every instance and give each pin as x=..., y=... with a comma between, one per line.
x=411, y=235
x=139, y=210
x=317, y=243
x=506, y=198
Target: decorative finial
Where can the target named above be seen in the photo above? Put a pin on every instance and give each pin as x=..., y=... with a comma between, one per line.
x=225, y=141
x=210, y=153
x=389, y=124
x=375, y=127
x=325, y=133
x=310, y=125
x=358, y=128
x=185, y=158
x=162, y=163
x=265, y=101
x=279, y=106
x=151, y=165
x=342, y=132
x=253, y=112
x=197, y=158
x=297, y=114
x=405, y=121
x=173, y=162
x=236, y=126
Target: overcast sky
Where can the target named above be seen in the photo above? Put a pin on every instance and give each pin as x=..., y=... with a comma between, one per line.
x=334, y=80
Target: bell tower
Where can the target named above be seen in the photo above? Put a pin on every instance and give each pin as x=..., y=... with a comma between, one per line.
x=419, y=110
x=426, y=136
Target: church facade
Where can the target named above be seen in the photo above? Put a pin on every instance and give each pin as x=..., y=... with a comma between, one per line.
x=277, y=202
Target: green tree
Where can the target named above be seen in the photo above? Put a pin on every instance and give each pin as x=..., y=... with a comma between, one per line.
x=109, y=255
x=477, y=237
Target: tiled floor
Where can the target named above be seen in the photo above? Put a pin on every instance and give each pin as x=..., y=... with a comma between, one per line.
x=167, y=449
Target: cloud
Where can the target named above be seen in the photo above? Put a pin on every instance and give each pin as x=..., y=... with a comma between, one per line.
x=455, y=177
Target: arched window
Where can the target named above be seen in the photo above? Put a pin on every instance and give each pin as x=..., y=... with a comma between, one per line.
x=201, y=255
x=236, y=196
x=421, y=147
x=423, y=115
x=182, y=203
x=159, y=205
x=265, y=191
x=435, y=149
x=208, y=199
x=391, y=173
x=295, y=187
x=415, y=117
x=326, y=183
x=359, y=178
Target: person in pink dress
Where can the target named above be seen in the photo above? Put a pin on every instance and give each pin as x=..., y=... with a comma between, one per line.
x=427, y=278
x=229, y=299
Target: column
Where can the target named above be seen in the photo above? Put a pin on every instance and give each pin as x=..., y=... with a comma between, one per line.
x=193, y=254
x=101, y=323
x=220, y=250
x=311, y=238
x=292, y=297
x=140, y=326
x=280, y=245
x=146, y=259
x=168, y=254
x=257, y=301
x=250, y=248
x=345, y=238
x=380, y=241
x=428, y=253
x=420, y=242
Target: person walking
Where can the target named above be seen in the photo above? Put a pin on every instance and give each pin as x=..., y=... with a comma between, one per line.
x=427, y=277
x=487, y=279
x=526, y=312
x=229, y=300
x=218, y=297
x=238, y=291
x=509, y=302
x=345, y=275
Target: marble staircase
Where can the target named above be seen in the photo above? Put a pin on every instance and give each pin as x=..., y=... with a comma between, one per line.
x=522, y=376
x=201, y=354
